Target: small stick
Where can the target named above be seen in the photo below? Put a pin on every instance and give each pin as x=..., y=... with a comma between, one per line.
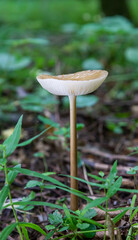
x=101, y=166
x=73, y=151
x=86, y=178
x=109, y=156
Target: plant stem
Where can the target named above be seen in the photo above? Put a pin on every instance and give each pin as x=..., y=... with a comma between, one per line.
x=73, y=151
x=106, y=219
x=11, y=202
x=79, y=232
x=41, y=189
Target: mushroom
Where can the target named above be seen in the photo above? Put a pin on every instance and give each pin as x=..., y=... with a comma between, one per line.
x=72, y=85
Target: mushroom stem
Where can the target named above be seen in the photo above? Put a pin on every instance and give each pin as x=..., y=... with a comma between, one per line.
x=73, y=151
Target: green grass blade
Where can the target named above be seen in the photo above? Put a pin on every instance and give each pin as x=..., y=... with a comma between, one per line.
x=32, y=139
x=114, y=188
x=7, y=231
x=75, y=192
x=38, y=175
x=68, y=215
x=25, y=233
x=34, y=203
x=94, y=203
x=133, y=214
x=3, y=195
x=128, y=190
x=11, y=176
x=50, y=234
x=119, y=216
x=84, y=181
x=91, y=221
x=33, y=226
x=132, y=205
x=12, y=141
x=48, y=121
x=121, y=208
x=96, y=177
x=113, y=173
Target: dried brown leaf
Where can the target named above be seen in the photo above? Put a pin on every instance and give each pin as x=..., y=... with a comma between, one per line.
x=100, y=235
x=101, y=214
x=127, y=183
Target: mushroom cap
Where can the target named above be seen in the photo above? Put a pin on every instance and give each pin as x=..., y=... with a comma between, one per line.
x=79, y=83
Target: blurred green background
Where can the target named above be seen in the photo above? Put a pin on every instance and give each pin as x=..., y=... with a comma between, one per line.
x=60, y=36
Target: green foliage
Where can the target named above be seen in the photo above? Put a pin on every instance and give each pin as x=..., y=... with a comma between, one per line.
x=33, y=203
x=116, y=128
x=81, y=222
x=20, y=42
x=90, y=234
x=31, y=139
x=34, y=183
x=91, y=64
x=133, y=7
x=114, y=187
x=83, y=226
x=12, y=141
x=69, y=27
x=87, y=32
x=133, y=212
x=33, y=226
x=59, y=133
x=44, y=176
x=132, y=55
x=39, y=154
x=3, y=161
x=37, y=102
x=55, y=218
x=108, y=25
x=72, y=222
x=3, y=195
x=47, y=14
x=119, y=216
x=7, y=231
x=86, y=101
x=134, y=149
x=11, y=176
x=25, y=233
x=88, y=214
x=82, y=101
x=48, y=121
x=82, y=32
x=9, y=62
x=133, y=171
x=133, y=229
x=117, y=24
x=101, y=174
x=112, y=175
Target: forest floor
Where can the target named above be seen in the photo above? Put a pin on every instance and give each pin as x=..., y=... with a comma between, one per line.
x=98, y=149
x=59, y=38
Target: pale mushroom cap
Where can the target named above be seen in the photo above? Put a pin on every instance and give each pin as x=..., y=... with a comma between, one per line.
x=79, y=83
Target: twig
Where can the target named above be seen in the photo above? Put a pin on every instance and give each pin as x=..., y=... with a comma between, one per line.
x=102, y=166
x=109, y=156
x=86, y=178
